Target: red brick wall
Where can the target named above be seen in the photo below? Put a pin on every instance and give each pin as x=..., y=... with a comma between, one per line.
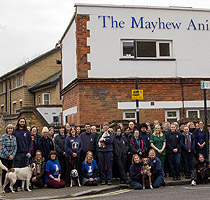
x=98, y=98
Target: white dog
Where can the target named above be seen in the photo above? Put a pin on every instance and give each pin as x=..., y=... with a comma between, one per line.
x=23, y=174
x=2, y=166
x=74, y=175
x=105, y=135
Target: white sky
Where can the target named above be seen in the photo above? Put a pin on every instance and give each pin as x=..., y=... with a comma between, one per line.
x=29, y=28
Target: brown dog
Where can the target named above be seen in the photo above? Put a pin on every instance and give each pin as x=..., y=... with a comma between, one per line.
x=146, y=172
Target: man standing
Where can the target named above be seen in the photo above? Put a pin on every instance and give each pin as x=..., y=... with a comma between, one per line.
x=24, y=145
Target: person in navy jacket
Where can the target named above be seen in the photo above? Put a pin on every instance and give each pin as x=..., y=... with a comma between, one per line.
x=73, y=147
x=105, y=156
x=156, y=169
x=145, y=136
x=188, y=152
x=173, y=149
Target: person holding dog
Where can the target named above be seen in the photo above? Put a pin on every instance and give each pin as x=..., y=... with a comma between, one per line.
x=90, y=170
x=73, y=147
x=53, y=172
x=136, y=173
x=8, y=150
x=201, y=171
x=156, y=170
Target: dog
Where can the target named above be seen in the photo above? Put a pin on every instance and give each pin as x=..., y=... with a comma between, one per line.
x=105, y=135
x=23, y=174
x=74, y=175
x=146, y=172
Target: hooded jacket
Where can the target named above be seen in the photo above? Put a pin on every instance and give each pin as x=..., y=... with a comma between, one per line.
x=60, y=144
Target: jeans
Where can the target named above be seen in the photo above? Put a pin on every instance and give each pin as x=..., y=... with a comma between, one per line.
x=135, y=185
x=105, y=161
x=174, y=162
x=158, y=181
x=188, y=163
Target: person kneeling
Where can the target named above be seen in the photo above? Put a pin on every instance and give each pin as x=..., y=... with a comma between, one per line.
x=90, y=170
x=135, y=173
x=201, y=171
x=156, y=170
x=53, y=172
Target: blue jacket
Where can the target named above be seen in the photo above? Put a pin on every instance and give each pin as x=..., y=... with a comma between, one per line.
x=146, y=138
x=108, y=142
x=135, y=172
x=73, y=145
x=173, y=141
x=24, y=141
x=192, y=147
x=156, y=168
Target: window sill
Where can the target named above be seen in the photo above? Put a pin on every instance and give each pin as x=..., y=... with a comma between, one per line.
x=148, y=59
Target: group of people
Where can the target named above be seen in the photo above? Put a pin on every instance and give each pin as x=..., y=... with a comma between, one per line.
x=118, y=153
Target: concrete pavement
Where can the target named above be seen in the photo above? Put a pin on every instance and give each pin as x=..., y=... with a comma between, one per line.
x=49, y=193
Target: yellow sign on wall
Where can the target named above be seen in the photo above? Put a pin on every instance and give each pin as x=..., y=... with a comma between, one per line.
x=137, y=94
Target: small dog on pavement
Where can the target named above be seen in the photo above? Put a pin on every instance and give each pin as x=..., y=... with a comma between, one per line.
x=74, y=176
x=146, y=172
x=23, y=174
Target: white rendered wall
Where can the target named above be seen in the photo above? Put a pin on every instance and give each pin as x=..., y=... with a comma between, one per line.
x=69, y=72
x=191, y=48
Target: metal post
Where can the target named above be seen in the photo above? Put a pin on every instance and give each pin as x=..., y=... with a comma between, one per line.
x=137, y=106
x=206, y=126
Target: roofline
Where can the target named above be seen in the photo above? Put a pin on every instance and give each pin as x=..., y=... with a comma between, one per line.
x=28, y=64
x=142, y=7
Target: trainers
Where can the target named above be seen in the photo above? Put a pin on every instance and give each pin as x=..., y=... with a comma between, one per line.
x=193, y=183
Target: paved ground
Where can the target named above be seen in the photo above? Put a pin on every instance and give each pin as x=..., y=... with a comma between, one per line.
x=47, y=193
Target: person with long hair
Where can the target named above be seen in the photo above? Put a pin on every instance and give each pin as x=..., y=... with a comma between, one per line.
x=34, y=133
x=24, y=146
x=53, y=172
x=73, y=147
x=201, y=139
x=158, y=143
x=90, y=170
x=8, y=150
x=136, y=173
x=60, y=150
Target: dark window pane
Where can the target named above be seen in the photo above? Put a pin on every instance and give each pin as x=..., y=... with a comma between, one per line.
x=171, y=114
x=146, y=49
x=129, y=115
x=192, y=114
x=128, y=48
x=164, y=49
x=202, y=115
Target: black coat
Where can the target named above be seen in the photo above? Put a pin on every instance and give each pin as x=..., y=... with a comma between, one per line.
x=135, y=172
x=45, y=145
x=184, y=147
x=60, y=144
x=88, y=142
x=120, y=146
x=173, y=141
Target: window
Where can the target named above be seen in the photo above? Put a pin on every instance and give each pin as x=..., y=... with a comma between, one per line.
x=46, y=99
x=129, y=115
x=39, y=100
x=172, y=115
x=202, y=115
x=192, y=114
x=147, y=49
x=3, y=87
x=55, y=119
x=14, y=108
x=15, y=81
x=21, y=79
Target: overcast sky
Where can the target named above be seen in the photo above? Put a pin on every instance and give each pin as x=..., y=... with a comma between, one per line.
x=29, y=28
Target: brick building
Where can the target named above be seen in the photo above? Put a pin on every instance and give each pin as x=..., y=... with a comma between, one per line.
x=106, y=48
x=32, y=90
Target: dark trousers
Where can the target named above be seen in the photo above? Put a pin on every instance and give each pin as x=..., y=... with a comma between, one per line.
x=188, y=163
x=174, y=162
x=62, y=161
x=121, y=165
x=71, y=165
x=20, y=161
x=157, y=181
x=135, y=185
x=105, y=162
x=7, y=163
x=202, y=151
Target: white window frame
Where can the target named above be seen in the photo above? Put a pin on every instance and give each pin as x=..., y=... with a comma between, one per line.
x=21, y=79
x=174, y=110
x=39, y=100
x=2, y=108
x=198, y=112
x=129, y=111
x=3, y=87
x=43, y=101
x=157, y=49
x=15, y=81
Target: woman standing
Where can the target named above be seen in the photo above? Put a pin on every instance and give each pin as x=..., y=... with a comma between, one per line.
x=60, y=150
x=8, y=150
x=158, y=143
x=201, y=139
x=73, y=147
x=53, y=172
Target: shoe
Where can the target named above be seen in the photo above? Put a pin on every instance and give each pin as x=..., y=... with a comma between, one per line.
x=109, y=183
x=193, y=183
x=178, y=178
x=174, y=178
x=67, y=184
x=103, y=183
